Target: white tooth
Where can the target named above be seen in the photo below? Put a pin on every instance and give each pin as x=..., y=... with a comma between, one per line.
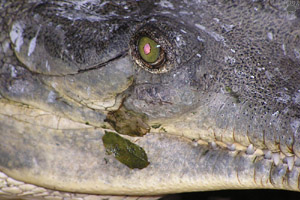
x=213, y=145
x=250, y=149
x=231, y=147
x=276, y=158
x=297, y=162
x=290, y=162
x=268, y=155
x=195, y=143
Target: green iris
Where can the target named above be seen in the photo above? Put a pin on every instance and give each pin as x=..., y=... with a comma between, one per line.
x=148, y=49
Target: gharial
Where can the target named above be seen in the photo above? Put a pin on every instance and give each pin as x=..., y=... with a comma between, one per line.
x=203, y=95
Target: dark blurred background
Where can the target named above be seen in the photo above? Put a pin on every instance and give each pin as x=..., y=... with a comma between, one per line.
x=236, y=195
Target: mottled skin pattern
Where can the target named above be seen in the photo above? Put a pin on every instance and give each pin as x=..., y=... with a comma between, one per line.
x=226, y=99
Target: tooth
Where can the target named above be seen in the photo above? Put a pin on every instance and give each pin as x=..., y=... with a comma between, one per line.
x=231, y=147
x=213, y=145
x=276, y=158
x=250, y=149
x=268, y=155
x=297, y=162
x=195, y=143
x=290, y=162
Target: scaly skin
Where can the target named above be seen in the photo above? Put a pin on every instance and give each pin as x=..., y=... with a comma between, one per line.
x=226, y=99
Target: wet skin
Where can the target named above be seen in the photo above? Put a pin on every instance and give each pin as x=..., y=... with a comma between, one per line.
x=222, y=101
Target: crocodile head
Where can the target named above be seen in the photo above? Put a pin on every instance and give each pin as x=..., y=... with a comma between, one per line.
x=208, y=91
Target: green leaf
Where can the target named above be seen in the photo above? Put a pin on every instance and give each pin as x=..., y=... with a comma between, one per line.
x=128, y=153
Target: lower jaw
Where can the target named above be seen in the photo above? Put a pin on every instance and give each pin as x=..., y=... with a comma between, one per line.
x=176, y=165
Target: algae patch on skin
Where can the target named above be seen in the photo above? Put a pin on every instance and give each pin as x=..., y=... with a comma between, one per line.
x=128, y=122
x=156, y=126
x=128, y=153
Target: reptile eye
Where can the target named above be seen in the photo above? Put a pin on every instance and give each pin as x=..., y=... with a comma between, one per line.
x=151, y=53
x=149, y=50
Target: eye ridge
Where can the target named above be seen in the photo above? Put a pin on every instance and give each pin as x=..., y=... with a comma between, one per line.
x=151, y=50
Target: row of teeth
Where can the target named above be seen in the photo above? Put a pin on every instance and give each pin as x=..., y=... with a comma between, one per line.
x=277, y=157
